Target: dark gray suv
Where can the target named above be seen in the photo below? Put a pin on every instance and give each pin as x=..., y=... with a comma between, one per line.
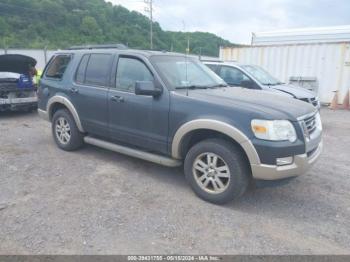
x=172, y=110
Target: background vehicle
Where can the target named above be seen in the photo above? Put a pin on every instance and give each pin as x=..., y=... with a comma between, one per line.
x=17, y=90
x=171, y=109
x=255, y=77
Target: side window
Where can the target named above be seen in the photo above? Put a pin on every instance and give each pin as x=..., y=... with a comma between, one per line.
x=232, y=76
x=98, y=70
x=58, y=66
x=80, y=74
x=213, y=67
x=130, y=71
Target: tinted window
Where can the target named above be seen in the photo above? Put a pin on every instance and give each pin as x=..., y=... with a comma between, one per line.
x=129, y=71
x=80, y=75
x=233, y=76
x=58, y=66
x=98, y=70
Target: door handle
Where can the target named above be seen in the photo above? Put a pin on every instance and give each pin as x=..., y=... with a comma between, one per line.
x=74, y=90
x=118, y=99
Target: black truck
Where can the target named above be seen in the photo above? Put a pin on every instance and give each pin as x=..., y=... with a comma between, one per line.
x=170, y=109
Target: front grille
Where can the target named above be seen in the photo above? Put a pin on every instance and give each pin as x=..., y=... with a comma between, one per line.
x=310, y=125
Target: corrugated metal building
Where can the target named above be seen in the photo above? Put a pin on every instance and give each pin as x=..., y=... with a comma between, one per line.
x=322, y=54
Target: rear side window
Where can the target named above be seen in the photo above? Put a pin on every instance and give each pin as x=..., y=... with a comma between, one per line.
x=80, y=75
x=58, y=66
x=98, y=70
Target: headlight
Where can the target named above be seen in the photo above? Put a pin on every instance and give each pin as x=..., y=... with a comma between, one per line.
x=275, y=130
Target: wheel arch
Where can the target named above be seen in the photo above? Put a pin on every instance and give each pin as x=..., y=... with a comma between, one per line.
x=209, y=127
x=59, y=101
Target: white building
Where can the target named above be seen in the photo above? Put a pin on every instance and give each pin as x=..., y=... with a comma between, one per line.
x=321, y=55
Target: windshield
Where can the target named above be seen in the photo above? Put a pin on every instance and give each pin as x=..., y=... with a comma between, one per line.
x=261, y=75
x=180, y=72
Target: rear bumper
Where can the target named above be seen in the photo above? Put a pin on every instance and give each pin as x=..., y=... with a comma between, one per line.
x=300, y=165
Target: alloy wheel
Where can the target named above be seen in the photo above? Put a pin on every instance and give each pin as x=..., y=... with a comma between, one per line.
x=62, y=130
x=211, y=173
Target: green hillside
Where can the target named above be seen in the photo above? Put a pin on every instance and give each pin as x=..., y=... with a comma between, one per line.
x=63, y=23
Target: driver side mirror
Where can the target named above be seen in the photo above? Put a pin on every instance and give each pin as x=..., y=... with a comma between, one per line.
x=147, y=88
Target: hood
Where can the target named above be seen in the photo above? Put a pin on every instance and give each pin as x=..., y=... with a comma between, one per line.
x=264, y=103
x=16, y=63
x=295, y=91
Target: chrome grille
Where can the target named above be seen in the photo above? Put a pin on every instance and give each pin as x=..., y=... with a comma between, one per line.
x=310, y=125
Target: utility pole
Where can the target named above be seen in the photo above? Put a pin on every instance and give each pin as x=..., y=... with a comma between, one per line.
x=188, y=37
x=149, y=9
x=188, y=44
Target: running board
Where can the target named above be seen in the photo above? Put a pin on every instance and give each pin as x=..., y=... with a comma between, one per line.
x=162, y=160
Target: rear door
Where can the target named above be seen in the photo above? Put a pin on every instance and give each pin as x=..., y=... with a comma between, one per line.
x=89, y=92
x=137, y=120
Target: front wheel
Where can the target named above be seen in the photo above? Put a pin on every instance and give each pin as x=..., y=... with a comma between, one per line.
x=217, y=171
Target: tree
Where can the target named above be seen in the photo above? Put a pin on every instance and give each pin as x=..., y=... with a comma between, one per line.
x=63, y=23
x=89, y=26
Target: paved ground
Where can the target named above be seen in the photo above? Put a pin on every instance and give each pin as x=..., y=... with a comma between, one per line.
x=98, y=202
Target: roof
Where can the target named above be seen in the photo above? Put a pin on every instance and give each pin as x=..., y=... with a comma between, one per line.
x=303, y=35
x=147, y=53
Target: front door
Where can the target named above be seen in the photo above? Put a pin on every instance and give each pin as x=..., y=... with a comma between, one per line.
x=137, y=120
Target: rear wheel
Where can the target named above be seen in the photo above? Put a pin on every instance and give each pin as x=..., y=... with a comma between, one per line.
x=65, y=131
x=217, y=171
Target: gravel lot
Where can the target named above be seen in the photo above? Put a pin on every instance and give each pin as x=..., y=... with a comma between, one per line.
x=95, y=201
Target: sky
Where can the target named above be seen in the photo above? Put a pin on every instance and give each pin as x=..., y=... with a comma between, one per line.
x=235, y=20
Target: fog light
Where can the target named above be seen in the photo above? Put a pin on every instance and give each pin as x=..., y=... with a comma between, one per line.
x=284, y=161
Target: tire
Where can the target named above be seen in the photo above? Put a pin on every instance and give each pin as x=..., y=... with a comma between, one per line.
x=231, y=168
x=75, y=138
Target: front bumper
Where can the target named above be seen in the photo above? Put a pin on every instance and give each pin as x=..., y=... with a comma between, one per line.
x=300, y=165
x=17, y=101
x=43, y=114
x=18, y=104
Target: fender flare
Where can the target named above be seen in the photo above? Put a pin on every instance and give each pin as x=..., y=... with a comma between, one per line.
x=219, y=126
x=64, y=101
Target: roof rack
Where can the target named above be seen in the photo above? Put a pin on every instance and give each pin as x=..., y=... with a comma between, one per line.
x=211, y=60
x=109, y=46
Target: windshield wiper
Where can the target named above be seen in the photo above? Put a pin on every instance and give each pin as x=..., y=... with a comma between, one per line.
x=274, y=84
x=218, y=85
x=192, y=87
